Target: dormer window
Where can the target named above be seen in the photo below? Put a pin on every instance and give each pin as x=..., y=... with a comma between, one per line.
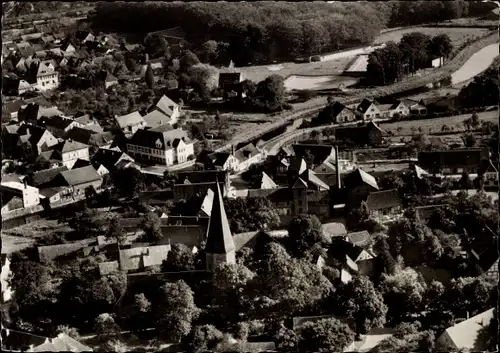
x=158, y=144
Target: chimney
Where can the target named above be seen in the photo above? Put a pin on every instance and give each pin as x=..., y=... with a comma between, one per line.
x=146, y=58
x=233, y=150
x=337, y=167
x=25, y=182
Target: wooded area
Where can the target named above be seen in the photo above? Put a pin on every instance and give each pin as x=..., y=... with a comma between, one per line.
x=268, y=31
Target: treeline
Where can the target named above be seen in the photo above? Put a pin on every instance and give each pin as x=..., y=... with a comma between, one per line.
x=483, y=91
x=415, y=50
x=266, y=31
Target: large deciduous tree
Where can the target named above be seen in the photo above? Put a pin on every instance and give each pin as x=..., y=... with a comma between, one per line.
x=326, y=335
x=176, y=310
x=180, y=258
x=304, y=232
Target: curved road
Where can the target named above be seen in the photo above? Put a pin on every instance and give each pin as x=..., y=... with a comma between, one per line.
x=357, y=96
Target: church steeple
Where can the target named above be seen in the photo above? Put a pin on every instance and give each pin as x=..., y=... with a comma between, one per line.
x=220, y=245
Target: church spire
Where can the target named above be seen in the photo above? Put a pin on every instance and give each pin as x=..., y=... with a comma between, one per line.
x=219, y=237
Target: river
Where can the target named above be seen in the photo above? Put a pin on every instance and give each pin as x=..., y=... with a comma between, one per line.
x=476, y=64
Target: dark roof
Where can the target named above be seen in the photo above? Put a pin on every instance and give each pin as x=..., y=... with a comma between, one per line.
x=90, y=137
x=57, y=122
x=463, y=157
x=69, y=146
x=246, y=152
x=320, y=152
x=40, y=100
x=13, y=107
x=357, y=177
x=356, y=134
x=206, y=176
x=382, y=200
x=364, y=105
x=108, y=158
x=46, y=176
x=35, y=132
x=166, y=139
x=484, y=249
x=340, y=247
x=80, y=175
x=219, y=237
x=80, y=163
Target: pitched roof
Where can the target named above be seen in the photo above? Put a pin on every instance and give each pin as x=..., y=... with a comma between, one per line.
x=80, y=163
x=320, y=152
x=159, y=140
x=90, y=137
x=246, y=152
x=142, y=257
x=266, y=182
x=325, y=167
x=131, y=119
x=164, y=105
x=52, y=252
x=299, y=184
x=451, y=158
x=464, y=334
x=334, y=229
x=58, y=122
x=382, y=200
x=297, y=165
x=45, y=176
x=156, y=118
x=364, y=105
x=45, y=68
x=109, y=267
x=84, y=119
x=13, y=107
x=359, y=238
x=359, y=176
x=358, y=134
x=219, y=237
x=340, y=248
x=62, y=343
x=69, y=146
x=207, y=203
x=80, y=175
x=310, y=177
x=109, y=158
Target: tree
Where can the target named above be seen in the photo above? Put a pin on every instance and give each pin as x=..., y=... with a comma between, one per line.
x=326, y=335
x=176, y=310
x=270, y=93
x=287, y=339
x=362, y=303
x=210, y=51
x=115, y=231
x=403, y=292
x=106, y=328
x=440, y=46
x=180, y=258
x=150, y=77
x=471, y=295
x=86, y=222
x=187, y=60
x=151, y=224
x=465, y=181
x=141, y=312
x=469, y=140
x=475, y=122
x=70, y=331
x=128, y=181
x=203, y=338
x=304, y=231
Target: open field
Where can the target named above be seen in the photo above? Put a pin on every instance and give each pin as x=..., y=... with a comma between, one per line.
x=458, y=36
x=436, y=123
x=261, y=72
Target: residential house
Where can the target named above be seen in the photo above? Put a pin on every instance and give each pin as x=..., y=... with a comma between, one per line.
x=68, y=48
x=13, y=191
x=361, y=239
x=363, y=261
x=365, y=135
x=18, y=341
x=69, y=151
x=33, y=112
x=50, y=196
x=490, y=173
x=359, y=185
x=368, y=109
x=314, y=154
x=59, y=125
x=484, y=253
x=77, y=180
x=452, y=162
x=138, y=259
x=130, y=123
x=164, y=111
x=108, y=159
x=88, y=122
x=109, y=80
x=46, y=77
x=208, y=160
x=370, y=341
x=384, y=202
x=12, y=108
x=167, y=147
x=229, y=83
x=246, y=156
x=24, y=86
x=93, y=139
x=334, y=229
x=399, y=108
x=38, y=137
x=465, y=335
x=415, y=107
x=43, y=179
x=337, y=113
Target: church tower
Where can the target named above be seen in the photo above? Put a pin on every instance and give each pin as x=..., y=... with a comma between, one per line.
x=220, y=246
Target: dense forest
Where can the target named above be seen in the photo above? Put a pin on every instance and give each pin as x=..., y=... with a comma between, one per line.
x=483, y=90
x=264, y=31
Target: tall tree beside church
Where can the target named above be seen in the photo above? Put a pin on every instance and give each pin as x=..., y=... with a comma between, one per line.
x=150, y=77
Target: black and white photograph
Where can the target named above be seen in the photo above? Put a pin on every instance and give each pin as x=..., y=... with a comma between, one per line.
x=250, y=176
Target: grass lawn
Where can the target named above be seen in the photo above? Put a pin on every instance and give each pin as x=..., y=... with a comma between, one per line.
x=456, y=122
x=458, y=36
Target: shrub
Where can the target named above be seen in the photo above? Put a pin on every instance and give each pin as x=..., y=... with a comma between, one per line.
x=315, y=58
